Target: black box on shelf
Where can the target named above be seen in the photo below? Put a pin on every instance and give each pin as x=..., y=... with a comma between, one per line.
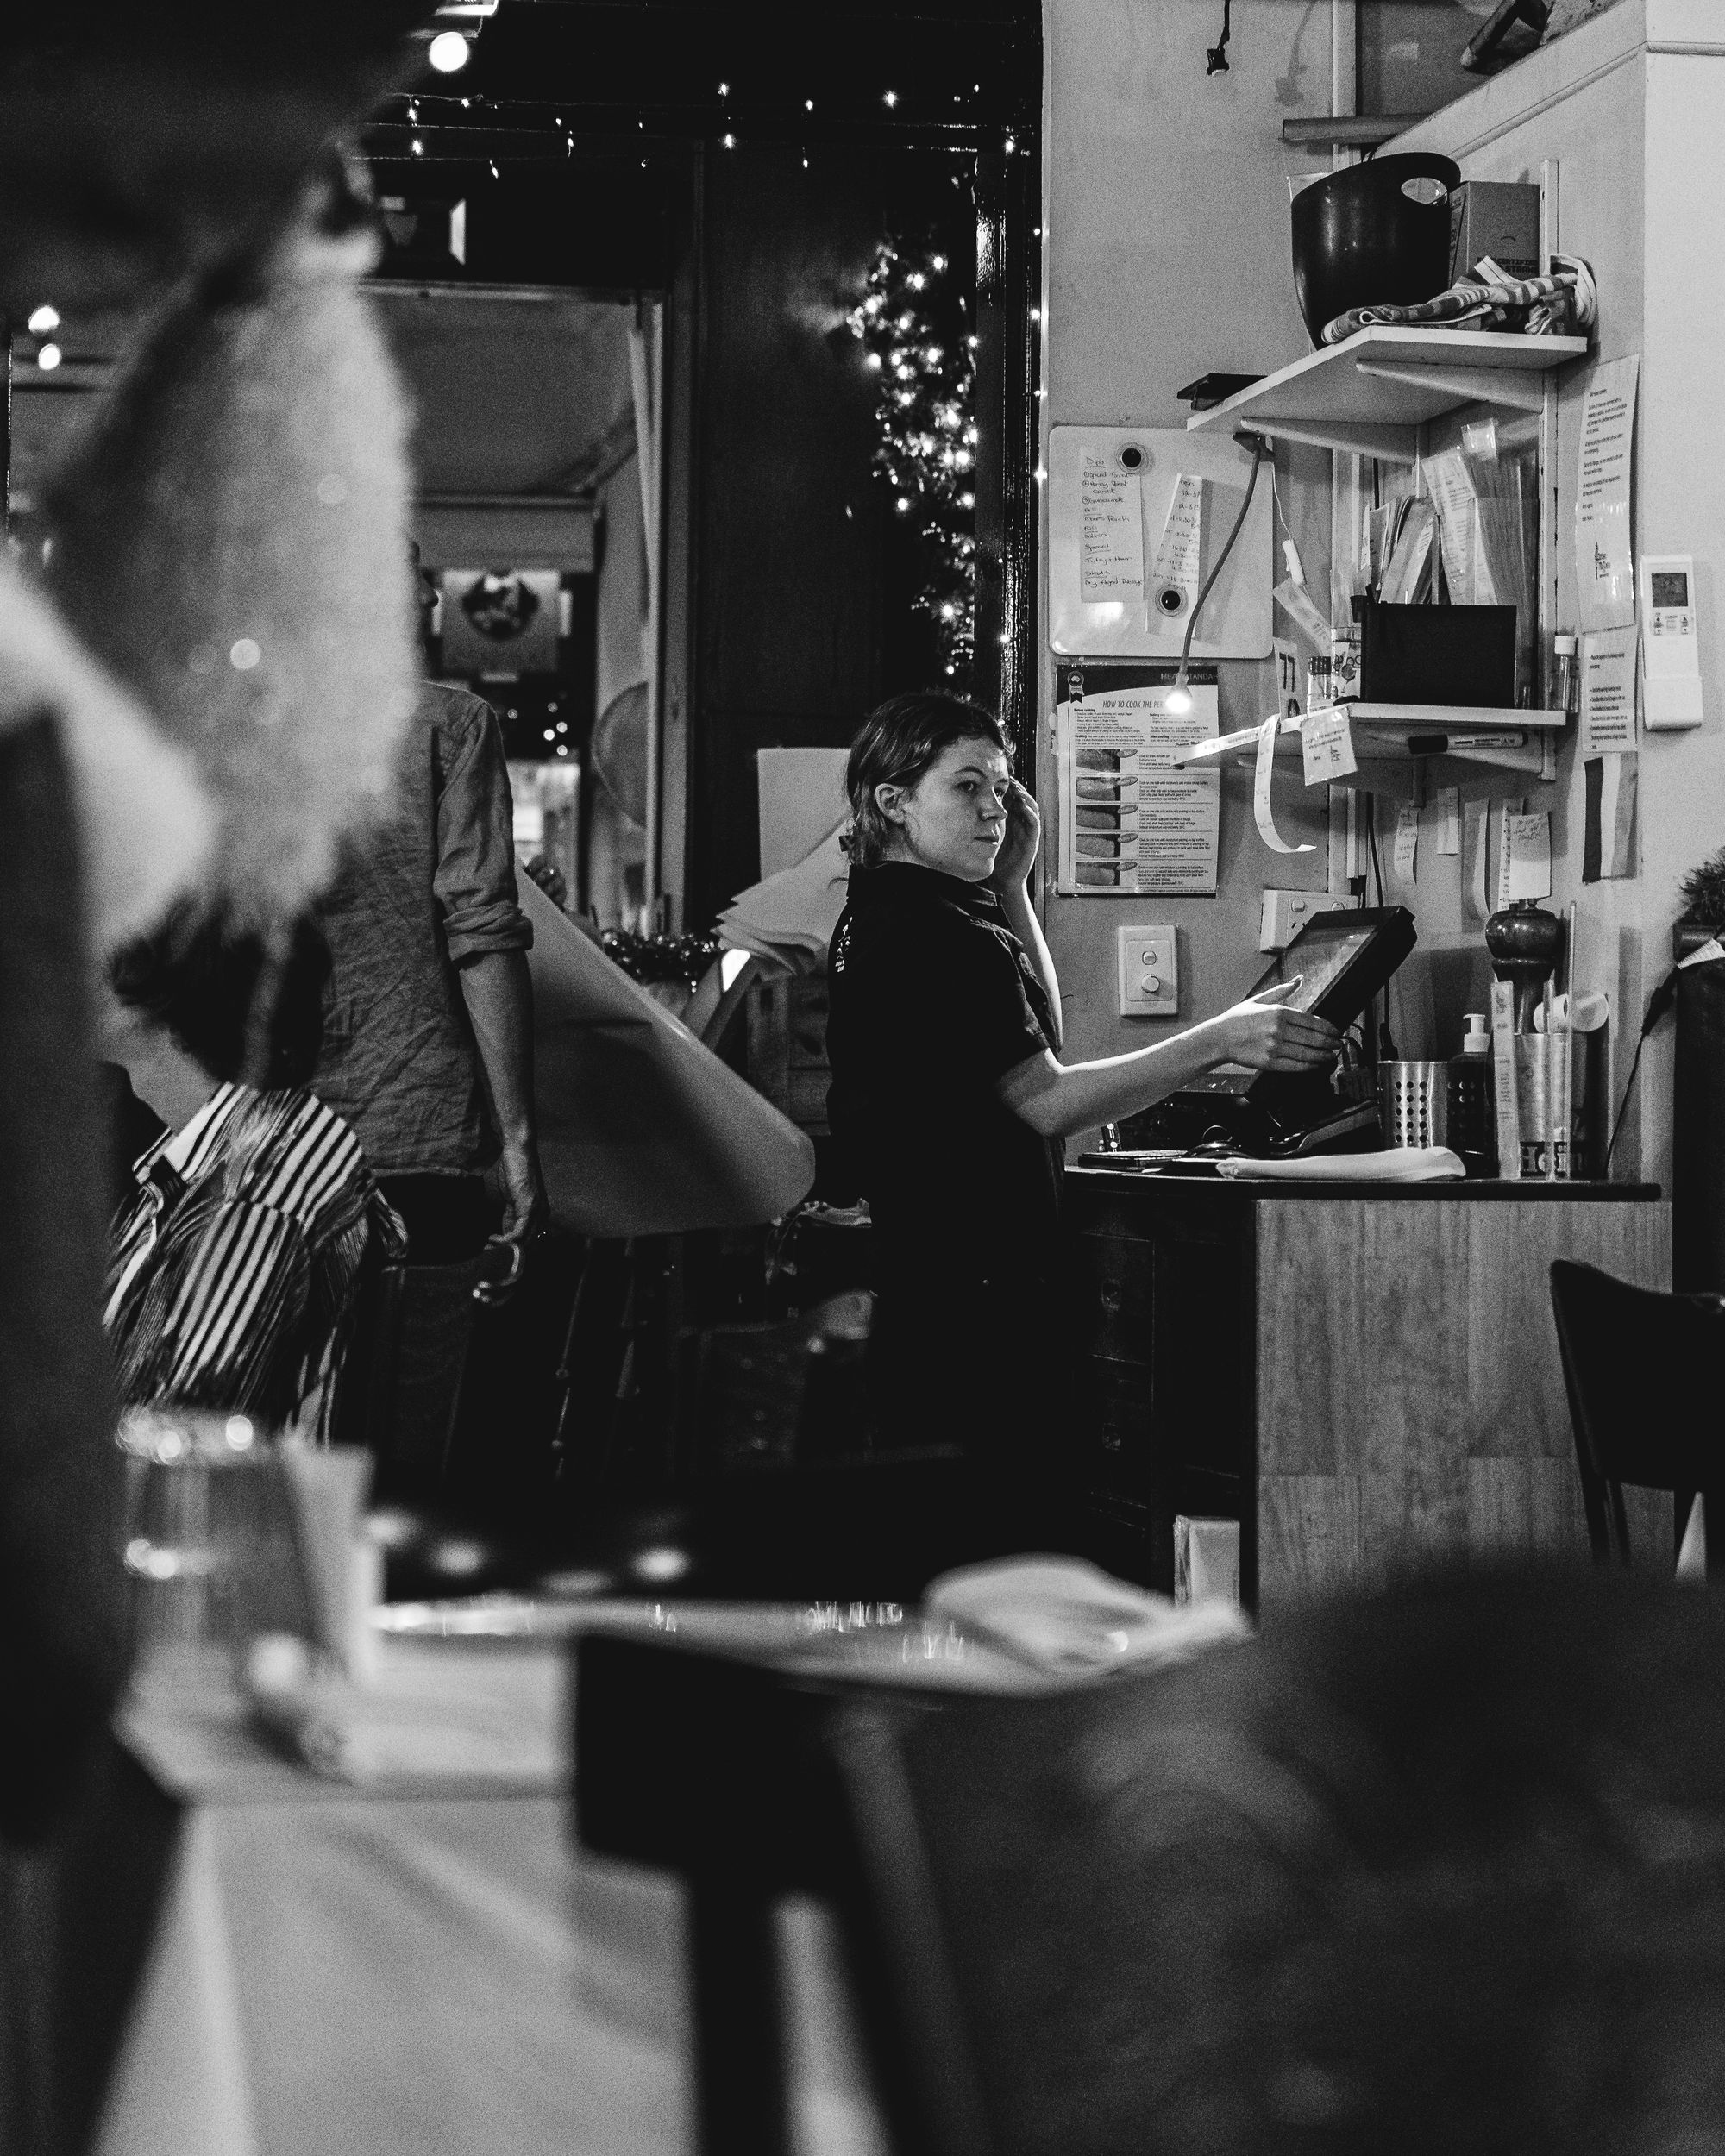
x=1438, y=655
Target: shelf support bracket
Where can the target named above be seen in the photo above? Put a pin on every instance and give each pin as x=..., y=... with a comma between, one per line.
x=1484, y=385
x=1351, y=438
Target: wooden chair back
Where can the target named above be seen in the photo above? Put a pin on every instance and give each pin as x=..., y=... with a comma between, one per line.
x=1642, y=1372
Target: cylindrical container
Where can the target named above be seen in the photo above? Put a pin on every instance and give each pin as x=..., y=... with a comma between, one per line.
x=1566, y=675
x=1373, y=234
x=1318, y=679
x=1437, y=1103
x=1543, y=1103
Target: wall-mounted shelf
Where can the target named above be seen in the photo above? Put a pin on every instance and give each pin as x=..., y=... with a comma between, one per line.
x=1371, y=396
x=1400, y=720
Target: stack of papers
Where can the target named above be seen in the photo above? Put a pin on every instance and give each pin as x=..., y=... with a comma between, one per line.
x=789, y=921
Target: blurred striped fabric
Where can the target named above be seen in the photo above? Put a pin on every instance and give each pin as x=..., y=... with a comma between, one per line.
x=233, y=1272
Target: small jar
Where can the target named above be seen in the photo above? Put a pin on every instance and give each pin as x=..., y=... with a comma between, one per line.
x=1566, y=673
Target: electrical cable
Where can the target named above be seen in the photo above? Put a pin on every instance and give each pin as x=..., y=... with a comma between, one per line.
x=1658, y=1003
x=1259, y=450
x=1216, y=56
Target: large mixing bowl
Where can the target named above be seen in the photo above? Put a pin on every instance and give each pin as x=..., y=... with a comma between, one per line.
x=1376, y=235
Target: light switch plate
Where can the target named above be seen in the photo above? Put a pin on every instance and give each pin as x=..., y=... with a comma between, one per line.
x=1149, y=973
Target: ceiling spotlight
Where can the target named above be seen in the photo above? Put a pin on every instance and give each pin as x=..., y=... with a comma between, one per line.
x=448, y=52
x=43, y=320
x=49, y=357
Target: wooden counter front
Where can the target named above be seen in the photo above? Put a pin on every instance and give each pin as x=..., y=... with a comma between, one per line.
x=1361, y=1376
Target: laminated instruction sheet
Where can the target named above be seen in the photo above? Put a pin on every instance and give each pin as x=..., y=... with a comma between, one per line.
x=1131, y=822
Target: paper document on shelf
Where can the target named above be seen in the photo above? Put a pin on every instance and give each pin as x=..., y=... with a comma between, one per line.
x=1604, y=554
x=1261, y=812
x=1111, y=508
x=1326, y=746
x=1131, y=822
x=1607, y=691
x=1407, y=840
x=1177, y=567
x=1476, y=904
x=1528, y=846
x=1449, y=819
x=1451, y=490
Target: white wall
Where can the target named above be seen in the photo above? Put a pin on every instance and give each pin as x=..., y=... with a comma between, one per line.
x=1629, y=105
x=1166, y=249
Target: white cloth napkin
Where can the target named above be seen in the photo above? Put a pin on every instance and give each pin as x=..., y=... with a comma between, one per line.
x=1071, y=1618
x=1396, y=1164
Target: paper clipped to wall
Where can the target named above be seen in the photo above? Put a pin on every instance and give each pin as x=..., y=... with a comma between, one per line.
x=1476, y=900
x=1608, y=841
x=1607, y=691
x=1177, y=571
x=1131, y=823
x=1604, y=555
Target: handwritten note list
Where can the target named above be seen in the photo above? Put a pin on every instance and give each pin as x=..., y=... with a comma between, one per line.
x=1111, y=509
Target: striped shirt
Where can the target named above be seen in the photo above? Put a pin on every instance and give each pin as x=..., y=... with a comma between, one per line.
x=234, y=1270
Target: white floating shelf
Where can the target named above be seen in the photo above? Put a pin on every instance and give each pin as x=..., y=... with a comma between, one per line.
x=1403, y=720
x=1371, y=396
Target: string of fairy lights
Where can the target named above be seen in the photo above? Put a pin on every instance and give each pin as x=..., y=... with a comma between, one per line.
x=915, y=328
x=913, y=321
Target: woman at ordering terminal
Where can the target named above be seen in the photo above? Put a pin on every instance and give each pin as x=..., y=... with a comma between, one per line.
x=948, y=1090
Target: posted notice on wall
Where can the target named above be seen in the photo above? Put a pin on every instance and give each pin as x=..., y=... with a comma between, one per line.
x=1604, y=557
x=1608, y=692
x=1131, y=823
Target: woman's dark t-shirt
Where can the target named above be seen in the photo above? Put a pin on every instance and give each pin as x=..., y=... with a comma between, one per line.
x=932, y=1000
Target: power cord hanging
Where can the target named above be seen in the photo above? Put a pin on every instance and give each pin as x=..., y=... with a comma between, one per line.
x=1179, y=698
x=1216, y=59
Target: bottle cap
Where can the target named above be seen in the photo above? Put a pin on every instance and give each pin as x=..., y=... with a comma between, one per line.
x=1476, y=1040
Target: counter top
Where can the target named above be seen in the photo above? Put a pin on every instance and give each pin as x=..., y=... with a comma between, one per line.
x=1485, y=1191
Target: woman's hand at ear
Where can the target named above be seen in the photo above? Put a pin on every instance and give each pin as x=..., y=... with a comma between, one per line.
x=1019, y=849
x=1266, y=1035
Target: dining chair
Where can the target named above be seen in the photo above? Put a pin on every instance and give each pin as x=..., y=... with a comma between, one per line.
x=1426, y=1870
x=1642, y=1372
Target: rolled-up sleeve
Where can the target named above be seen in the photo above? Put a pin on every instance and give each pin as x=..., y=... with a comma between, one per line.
x=474, y=879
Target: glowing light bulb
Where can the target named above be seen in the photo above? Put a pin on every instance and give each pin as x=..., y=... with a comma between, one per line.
x=1179, y=700
x=892, y=98
x=730, y=141
x=49, y=357
x=447, y=52
x=43, y=320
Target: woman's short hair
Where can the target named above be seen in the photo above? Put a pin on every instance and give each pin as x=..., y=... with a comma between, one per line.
x=899, y=742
